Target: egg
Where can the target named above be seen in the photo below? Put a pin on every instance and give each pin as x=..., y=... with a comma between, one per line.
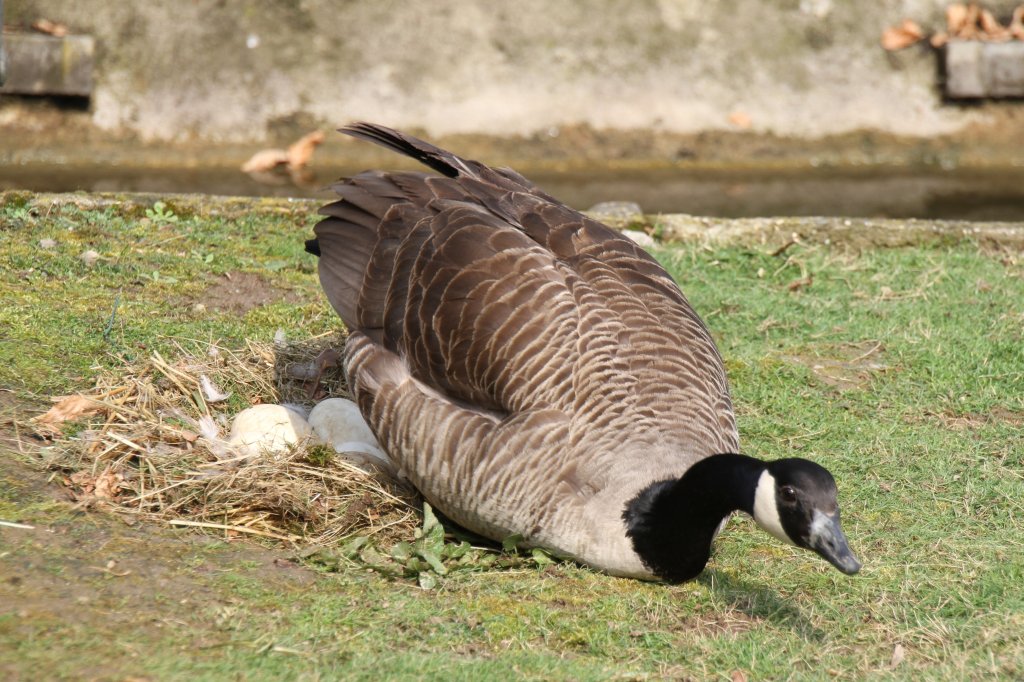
x=338, y=423
x=268, y=429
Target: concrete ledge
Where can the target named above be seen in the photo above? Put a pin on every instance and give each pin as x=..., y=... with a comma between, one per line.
x=976, y=69
x=47, y=65
x=771, y=233
x=852, y=233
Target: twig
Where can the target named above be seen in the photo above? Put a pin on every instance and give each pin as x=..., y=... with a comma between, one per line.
x=11, y=524
x=782, y=249
x=240, y=529
x=867, y=354
x=125, y=441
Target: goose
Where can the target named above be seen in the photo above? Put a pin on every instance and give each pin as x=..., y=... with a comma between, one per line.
x=536, y=374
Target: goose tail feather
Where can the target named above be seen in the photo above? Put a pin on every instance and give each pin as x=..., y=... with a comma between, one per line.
x=442, y=161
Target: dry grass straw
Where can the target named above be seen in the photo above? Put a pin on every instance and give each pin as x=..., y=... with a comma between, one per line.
x=146, y=452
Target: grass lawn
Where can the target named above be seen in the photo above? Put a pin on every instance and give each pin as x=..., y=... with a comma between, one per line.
x=901, y=370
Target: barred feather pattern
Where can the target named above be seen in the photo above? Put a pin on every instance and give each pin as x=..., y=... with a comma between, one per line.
x=528, y=368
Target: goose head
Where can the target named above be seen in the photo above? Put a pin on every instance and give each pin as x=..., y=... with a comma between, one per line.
x=672, y=523
x=796, y=501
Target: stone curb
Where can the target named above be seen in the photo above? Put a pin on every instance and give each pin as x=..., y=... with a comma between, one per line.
x=854, y=233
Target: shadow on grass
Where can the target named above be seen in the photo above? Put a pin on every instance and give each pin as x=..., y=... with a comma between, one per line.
x=759, y=603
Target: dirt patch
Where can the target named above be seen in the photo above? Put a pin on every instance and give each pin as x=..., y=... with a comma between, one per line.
x=844, y=367
x=976, y=420
x=731, y=623
x=12, y=410
x=240, y=292
x=129, y=587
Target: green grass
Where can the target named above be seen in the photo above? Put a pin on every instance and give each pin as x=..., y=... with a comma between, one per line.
x=901, y=370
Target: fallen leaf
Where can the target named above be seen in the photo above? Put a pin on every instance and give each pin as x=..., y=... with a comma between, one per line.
x=969, y=28
x=107, y=484
x=902, y=36
x=898, y=654
x=68, y=407
x=991, y=28
x=956, y=18
x=1017, y=23
x=302, y=150
x=740, y=120
x=738, y=676
x=265, y=160
x=939, y=39
x=50, y=28
x=801, y=283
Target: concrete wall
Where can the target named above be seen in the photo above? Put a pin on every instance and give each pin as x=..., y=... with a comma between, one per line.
x=239, y=70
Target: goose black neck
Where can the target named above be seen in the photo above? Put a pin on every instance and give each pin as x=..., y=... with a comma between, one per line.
x=673, y=522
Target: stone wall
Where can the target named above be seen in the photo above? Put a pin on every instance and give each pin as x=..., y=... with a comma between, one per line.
x=240, y=70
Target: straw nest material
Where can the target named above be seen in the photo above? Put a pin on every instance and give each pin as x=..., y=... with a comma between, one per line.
x=150, y=441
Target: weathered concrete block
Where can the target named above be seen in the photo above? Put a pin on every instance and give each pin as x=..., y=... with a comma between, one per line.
x=976, y=69
x=47, y=65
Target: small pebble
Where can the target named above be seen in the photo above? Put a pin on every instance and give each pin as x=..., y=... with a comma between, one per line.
x=89, y=258
x=47, y=243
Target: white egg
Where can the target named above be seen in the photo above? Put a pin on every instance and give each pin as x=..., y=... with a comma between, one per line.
x=338, y=423
x=270, y=429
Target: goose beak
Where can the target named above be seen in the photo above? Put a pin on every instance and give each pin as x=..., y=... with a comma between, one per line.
x=828, y=541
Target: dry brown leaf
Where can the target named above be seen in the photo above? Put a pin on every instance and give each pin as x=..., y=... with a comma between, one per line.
x=296, y=157
x=956, y=18
x=992, y=30
x=969, y=29
x=265, y=160
x=738, y=676
x=300, y=152
x=740, y=119
x=902, y=36
x=939, y=39
x=104, y=487
x=898, y=654
x=82, y=479
x=801, y=283
x=1017, y=23
x=68, y=407
x=50, y=28
x=107, y=484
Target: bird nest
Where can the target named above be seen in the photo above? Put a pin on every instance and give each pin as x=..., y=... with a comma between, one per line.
x=147, y=441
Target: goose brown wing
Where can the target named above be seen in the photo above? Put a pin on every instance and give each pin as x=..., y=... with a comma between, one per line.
x=478, y=310
x=501, y=297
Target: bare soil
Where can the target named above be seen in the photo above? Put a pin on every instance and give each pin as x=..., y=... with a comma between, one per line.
x=75, y=571
x=240, y=292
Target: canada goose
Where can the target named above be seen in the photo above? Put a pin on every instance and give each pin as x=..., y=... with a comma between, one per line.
x=535, y=373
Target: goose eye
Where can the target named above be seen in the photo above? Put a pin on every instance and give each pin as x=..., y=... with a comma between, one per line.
x=788, y=494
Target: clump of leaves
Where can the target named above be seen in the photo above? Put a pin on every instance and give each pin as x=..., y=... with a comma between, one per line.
x=428, y=556
x=320, y=455
x=160, y=213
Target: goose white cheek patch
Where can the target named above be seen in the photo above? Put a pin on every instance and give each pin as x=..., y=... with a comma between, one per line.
x=766, y=512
